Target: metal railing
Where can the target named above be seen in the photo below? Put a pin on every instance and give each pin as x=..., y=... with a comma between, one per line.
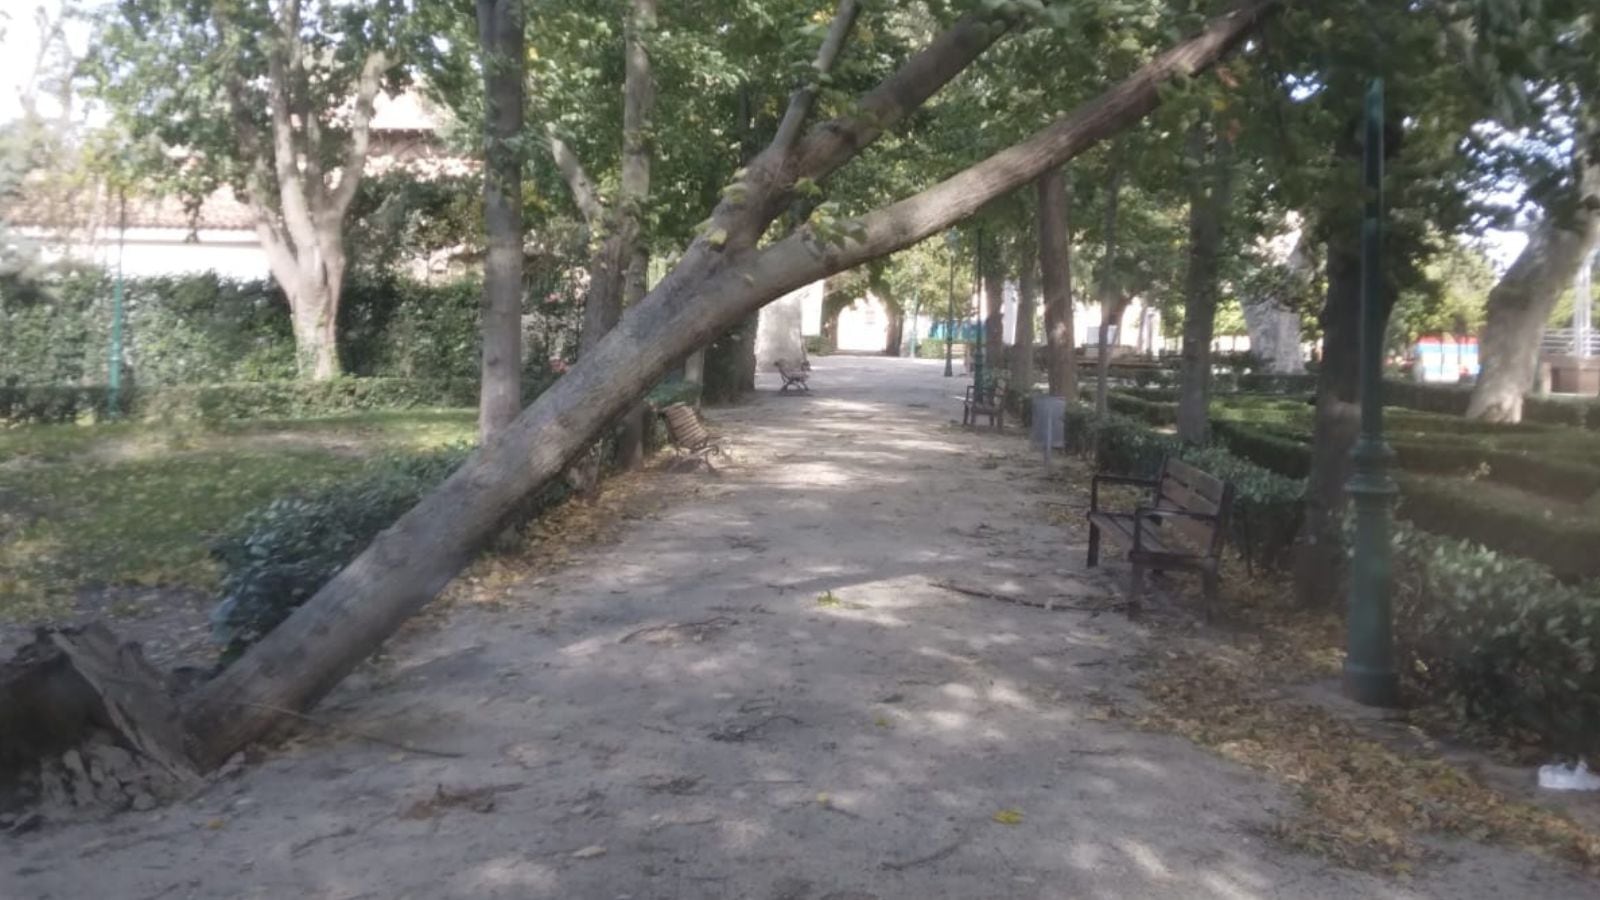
x=1564, y=342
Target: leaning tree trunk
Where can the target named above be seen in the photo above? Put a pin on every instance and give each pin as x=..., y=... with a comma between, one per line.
x=500, y=388
x=1022, y=347
x=1317, y=566
x=1521, y=303
x=715, y=285
x=1209, y=199
x=1055, y=262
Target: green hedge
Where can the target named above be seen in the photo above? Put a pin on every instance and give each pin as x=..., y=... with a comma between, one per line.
x=1501, y=639
x=1265, y=447
x=299, y=399
x=1154, y=412
x=1449, y=399
x=1568, y=545
x=52, y=405
x=1550, y=476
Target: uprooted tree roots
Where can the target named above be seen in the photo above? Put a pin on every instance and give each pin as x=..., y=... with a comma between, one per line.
x=87, y=727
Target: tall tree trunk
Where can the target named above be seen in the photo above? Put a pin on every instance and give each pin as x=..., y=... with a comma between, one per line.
x=1113, y=302
x=1338, y=420
x=1210, y=194
x=711, y=288
x=1521, y=303
x=500, y=38
x=314, y=309
x=994, y=313
x=896, y=331
x=1027, y=294
x=608, y=271
x=1055, y=262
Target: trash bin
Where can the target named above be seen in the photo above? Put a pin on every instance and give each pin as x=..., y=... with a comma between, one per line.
x=1049, y=423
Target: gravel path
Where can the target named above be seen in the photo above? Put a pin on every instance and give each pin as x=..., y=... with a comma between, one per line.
x=760, y=690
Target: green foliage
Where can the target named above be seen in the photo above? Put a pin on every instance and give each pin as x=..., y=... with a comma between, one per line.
x=300, y=399
x=205, y=329
x=1502, y=640
x=1154, y=412
x=1511, y=523
x=52, y=405
x=1273, y=451
x=1267, y=506
x=275, y=557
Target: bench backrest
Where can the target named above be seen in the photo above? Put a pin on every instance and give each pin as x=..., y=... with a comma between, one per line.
x=788, y=372
x=1182, y=486
x=687, y=430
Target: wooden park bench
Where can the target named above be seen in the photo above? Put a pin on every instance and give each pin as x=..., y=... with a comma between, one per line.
x=792, y=376
x=1180, y=526
x=989, y=401
x=688, y=433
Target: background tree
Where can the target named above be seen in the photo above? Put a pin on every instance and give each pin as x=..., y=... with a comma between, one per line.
x=501, y=47
x=272, y=99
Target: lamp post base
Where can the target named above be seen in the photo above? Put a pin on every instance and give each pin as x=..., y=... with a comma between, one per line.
x=1371, y=687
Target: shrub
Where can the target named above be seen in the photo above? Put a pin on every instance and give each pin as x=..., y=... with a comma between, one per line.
x=1267, y=507
x=277, y=556
x=53, y=405
x=1264, y=447
x=1566, y=544
x=1577, y=412
x=298, y=399
x=1155, y=412
x=1502, y=640
x=929, y=348
x=1263, y=383
x=1450, y=399
x=1550, y=476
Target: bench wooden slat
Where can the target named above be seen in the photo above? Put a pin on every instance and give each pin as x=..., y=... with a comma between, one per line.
x=1201, y=482
x=1182, y=496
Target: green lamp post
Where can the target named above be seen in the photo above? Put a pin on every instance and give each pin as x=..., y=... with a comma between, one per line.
x=1369, y=668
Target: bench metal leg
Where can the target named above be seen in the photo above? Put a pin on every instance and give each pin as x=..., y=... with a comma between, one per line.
x=1209, y=580
x=1094, y=545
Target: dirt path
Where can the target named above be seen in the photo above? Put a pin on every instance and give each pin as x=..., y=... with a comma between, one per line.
x=760, y=691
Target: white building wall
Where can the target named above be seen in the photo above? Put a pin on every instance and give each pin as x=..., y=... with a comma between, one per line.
x=164, y=251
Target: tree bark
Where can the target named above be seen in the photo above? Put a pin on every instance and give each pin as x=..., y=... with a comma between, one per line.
x=715, y=285
x=1113, y=302
x=1210, y=195
x=619, y=250
x=994, y=315
x=500, y=38
x=896, y=331
x=1338, y=420
x=1027, y=294
x=1055, y=262
x=1274, y=326
x=314, y=309
x=1521, y=303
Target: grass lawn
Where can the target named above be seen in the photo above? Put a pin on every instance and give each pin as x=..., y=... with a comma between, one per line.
x=137, y=503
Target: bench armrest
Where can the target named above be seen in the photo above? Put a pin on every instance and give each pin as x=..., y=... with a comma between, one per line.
x=1094, y=486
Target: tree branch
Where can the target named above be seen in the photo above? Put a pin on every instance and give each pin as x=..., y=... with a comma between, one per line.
x=571, y=168
x=800, y=104
x=283, y=52
x=355, y=159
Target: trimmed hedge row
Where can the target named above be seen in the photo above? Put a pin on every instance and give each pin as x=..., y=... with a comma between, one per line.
x=1541, y=474
x=1451, y=400
x=1567, y=545
x=24, y=404
x=36, y=404
x=1500, y=639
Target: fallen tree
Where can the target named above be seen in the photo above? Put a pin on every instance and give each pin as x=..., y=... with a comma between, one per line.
x=724, y=275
